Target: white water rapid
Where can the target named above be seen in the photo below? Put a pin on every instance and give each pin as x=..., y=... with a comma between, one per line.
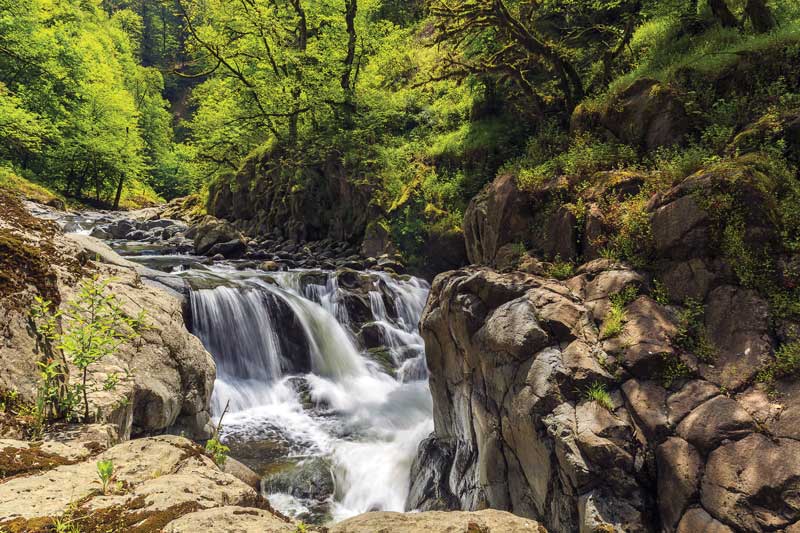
x=299, y=386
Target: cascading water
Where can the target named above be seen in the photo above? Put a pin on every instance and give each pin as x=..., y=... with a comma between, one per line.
x=299, y=384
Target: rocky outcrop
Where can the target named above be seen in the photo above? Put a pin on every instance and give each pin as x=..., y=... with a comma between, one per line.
x=647, y=114
x=535, y=413
x=264, y=198
x=165, y=377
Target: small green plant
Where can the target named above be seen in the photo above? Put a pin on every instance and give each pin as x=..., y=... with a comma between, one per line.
x=94, y=326
x=105, y=469
x=674, y=369
x=301, y=528
x=597, y=392
x=214, y=446
x=786, y=363
x=614, y=322
x=659, y=292
x=692, y=336
x=560, y=269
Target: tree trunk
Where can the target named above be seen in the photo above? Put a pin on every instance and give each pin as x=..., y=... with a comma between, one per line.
x=760, y=15
x=119, y=191
x=347, y=82
x=723, y=13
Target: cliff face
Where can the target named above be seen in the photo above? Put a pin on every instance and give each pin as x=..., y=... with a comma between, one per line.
x=317, y=203
x=512, y=358
x=654, y=397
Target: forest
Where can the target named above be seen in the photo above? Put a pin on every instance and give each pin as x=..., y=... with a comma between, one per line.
x=129, y=103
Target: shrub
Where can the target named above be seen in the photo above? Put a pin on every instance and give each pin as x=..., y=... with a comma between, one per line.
x=614, y=322
x=93, y=327
x=692, y=335
x=561, y=270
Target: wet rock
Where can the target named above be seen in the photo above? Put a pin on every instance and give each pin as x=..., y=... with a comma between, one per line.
x=310, y=479
x=242, y=473
x=372, y=335
x=212, y=232
x=229, y=250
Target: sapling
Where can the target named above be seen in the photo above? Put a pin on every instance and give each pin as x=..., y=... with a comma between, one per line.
x=105, y=469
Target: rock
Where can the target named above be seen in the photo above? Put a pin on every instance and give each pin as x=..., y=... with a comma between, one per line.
x=166, y=375
x=753, y=483
x=310, y=479
x=647, y=402
x=500, y=214
x=242, y=472
x=488, y=521
x=696, y=520
x=737, y=321
x=599, y=289
x=508, y=433
x=714, y=421
x=269, y=266
x=160, y=476
x=561, y=236
x=680, y=228
x=679, y=468
x=682, y=402
x=213, y=232
x=647, y=114
x=231, y=520
x=646, y=338
x=229, y=250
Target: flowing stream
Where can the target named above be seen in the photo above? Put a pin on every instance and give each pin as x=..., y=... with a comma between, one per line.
x=297, y=386
x=323, y=386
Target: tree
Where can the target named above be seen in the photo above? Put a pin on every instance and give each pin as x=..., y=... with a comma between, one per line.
x=545, y=49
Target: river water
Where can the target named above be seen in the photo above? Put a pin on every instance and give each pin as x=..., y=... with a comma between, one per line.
x=337, y=425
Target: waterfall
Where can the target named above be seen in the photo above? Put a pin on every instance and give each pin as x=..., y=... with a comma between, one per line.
x=296, y=377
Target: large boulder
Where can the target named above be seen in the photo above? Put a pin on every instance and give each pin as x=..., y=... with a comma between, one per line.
x=217, y=236
x=500, y=214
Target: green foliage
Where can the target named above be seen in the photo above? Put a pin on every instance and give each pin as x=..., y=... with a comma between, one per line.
x=105, y=469
x=217, y=450
x=614, y=323
x=583, y=157
x=561, y=269
x=93, y=326
x=598, y=392
x=785, y=364
x=659, y=292
x=692, y=336
x=673, y=369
